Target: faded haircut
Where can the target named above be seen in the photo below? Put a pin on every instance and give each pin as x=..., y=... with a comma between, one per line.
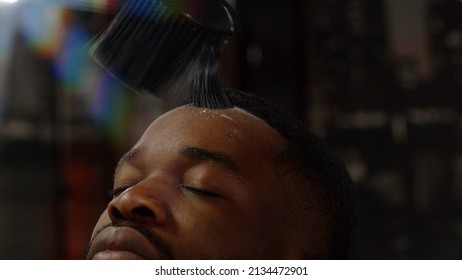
x=308, y=160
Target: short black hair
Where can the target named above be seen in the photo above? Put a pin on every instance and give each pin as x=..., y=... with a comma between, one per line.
x=310, y=157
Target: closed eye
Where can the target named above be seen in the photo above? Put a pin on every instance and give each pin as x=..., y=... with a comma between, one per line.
x=116, y=191
x=198, y=191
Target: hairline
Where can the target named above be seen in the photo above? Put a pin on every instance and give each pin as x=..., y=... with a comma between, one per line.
x=313, y=165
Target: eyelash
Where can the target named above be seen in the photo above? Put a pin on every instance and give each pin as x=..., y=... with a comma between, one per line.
x=113, y=193
x=198, y=191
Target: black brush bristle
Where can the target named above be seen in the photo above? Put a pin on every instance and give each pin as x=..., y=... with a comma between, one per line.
x=169, y=49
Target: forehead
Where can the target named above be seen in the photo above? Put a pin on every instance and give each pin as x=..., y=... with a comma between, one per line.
x=232, y=131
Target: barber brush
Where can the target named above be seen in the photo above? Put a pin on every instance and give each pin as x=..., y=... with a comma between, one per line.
x=169, y=47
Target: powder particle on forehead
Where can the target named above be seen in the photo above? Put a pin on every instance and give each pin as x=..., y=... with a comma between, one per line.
x=215, y=114
x=226, y=117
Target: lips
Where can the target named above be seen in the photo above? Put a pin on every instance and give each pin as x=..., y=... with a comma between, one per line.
x=122, y=243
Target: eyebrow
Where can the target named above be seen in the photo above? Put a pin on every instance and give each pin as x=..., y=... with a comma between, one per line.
x=192, y=153
x=130, y=156
x=202, y=155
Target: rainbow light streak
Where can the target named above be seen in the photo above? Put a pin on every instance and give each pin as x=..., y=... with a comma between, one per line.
x=43, y=22
x=47, y=29
x=7, y=23
x=111, y=107
x=73, y=58
x=43, y=26
x=99, y=6
x=108, y=102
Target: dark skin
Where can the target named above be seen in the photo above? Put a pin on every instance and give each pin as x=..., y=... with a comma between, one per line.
x=199, y=184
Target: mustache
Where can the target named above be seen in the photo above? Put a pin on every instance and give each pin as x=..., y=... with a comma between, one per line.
x=153, y=238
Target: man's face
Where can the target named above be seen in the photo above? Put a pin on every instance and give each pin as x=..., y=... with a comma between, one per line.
x=199, y=184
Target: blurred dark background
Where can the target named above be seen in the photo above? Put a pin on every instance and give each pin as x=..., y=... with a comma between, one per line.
x=379, y=80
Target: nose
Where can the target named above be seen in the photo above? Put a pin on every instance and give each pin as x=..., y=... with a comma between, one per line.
x=136, y=204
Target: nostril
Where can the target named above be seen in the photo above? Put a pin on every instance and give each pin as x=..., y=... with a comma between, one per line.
x=135, y=206
x=143, y=212
x=115, y=214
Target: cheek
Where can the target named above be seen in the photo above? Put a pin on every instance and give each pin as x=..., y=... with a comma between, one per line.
x=103, y=221
x=207, y=231
x=239, y=232
x=265, y=213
